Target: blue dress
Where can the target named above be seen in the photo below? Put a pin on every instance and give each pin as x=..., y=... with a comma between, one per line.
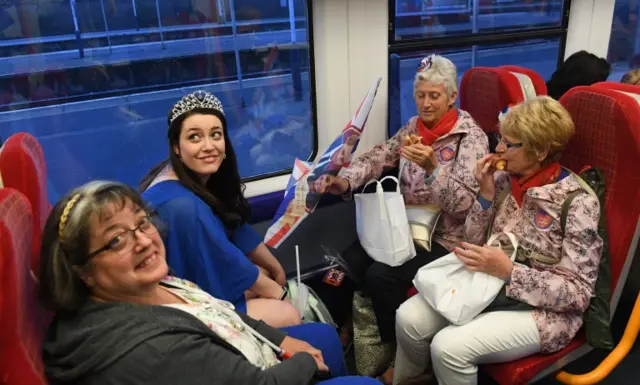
x=199, y=246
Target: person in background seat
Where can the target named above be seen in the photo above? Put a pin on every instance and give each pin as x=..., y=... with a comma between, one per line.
x=437, y=170
x=547, y=289
x=121, y=320
x=197, y=192
x=632, y=77
x=580, y=69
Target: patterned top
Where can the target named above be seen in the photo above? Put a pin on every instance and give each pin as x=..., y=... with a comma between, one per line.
x=221, y=318
x=560, y=292
x=454, y=188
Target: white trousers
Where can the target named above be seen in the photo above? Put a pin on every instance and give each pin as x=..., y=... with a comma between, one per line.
x=455, y=351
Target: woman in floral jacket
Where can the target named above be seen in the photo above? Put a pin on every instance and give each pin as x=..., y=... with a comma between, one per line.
x=553, y=278
x=438, y=169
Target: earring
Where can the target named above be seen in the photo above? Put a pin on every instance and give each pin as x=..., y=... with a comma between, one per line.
x=224, y=156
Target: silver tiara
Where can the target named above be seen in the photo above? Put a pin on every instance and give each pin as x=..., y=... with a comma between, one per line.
x=198, y=99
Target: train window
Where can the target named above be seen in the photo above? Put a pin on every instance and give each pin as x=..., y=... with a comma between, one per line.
x=529, y=33
x=624, y=45
x=540, y=55
x=94, y=81
x=418, y=19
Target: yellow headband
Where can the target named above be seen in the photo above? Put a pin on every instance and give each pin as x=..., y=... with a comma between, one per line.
x=65, y=215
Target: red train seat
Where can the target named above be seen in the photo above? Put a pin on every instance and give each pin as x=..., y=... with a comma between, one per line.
x=22, y=321
x=605, y=124
x=485, y=92
x=23, y=168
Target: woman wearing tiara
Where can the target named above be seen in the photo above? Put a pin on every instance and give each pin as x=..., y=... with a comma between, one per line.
x=197, y=192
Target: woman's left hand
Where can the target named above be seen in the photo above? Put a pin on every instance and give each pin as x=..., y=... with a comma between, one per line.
x=293, y=346
x=487, y=259
x=422, y=155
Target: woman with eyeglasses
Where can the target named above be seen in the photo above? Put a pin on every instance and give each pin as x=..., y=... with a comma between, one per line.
x=121, y=320
x=548, y=288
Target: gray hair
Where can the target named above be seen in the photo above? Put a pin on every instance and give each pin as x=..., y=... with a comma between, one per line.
x=437, y=70
x=65, y=241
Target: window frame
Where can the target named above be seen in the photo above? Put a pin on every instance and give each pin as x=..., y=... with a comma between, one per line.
x=471, y=39
x=312, y=100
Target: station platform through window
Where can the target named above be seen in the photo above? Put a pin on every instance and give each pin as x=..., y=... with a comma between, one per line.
x=540, y=55
x=624, y=44
x=94, y=81
x=527, y=33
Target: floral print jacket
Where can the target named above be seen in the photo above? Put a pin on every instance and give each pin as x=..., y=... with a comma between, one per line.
x=453, y=188
x=560, y=292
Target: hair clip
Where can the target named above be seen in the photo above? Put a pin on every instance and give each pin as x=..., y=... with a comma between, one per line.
x=65, y=215
x=504, y=112
x=426, y=63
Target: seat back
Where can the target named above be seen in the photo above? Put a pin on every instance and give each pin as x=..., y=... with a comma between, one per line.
x=22, y=322
x=528, y=76
x=23, y=168
x=485, y=92
x=607, y=125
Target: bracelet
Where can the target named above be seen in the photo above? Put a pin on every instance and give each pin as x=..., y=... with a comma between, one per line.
x=285, y=293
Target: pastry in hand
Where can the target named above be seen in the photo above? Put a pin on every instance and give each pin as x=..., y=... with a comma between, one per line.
x=500, y=164
x=412, y=139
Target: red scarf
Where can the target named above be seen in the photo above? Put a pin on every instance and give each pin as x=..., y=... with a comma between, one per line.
x=545, y=175
x=442, y=127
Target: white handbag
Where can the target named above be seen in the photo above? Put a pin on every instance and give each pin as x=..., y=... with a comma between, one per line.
x=382, y=225
x=456, y=293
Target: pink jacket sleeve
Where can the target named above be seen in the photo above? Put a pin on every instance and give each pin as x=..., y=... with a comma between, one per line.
x=455, y=189
x=372, y=164
x=477, y=221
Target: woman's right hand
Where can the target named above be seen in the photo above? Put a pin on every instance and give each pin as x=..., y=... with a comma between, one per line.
x=484, y=175
x=336, y=185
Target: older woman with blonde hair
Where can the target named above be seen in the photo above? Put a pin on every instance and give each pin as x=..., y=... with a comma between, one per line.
x=548, y=288
x=435, y=167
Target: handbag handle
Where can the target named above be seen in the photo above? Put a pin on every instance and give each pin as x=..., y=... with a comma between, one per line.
x=512, y=239
x=368, y=183
x=379, y=195
x=393, y=178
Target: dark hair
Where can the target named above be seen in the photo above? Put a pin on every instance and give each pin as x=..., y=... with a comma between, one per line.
x=580, y=69
x=61, y=289
x=224, y=191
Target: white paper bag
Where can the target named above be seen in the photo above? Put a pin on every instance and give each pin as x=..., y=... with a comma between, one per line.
x=456, y=293
x=382, y=225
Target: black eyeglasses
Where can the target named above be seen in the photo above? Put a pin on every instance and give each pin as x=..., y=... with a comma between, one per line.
x=124, y=242
x=507, y=143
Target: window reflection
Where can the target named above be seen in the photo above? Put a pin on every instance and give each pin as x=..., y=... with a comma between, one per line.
x=624, y=45
x=540, y=55
x=419, y=19
x=93, y=80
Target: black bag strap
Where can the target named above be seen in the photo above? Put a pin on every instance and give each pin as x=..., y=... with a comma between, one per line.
x=567, y=202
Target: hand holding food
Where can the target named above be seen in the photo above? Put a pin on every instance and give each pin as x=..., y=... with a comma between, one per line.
x=485, y=168
x=422, y=155
x=410, y=140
